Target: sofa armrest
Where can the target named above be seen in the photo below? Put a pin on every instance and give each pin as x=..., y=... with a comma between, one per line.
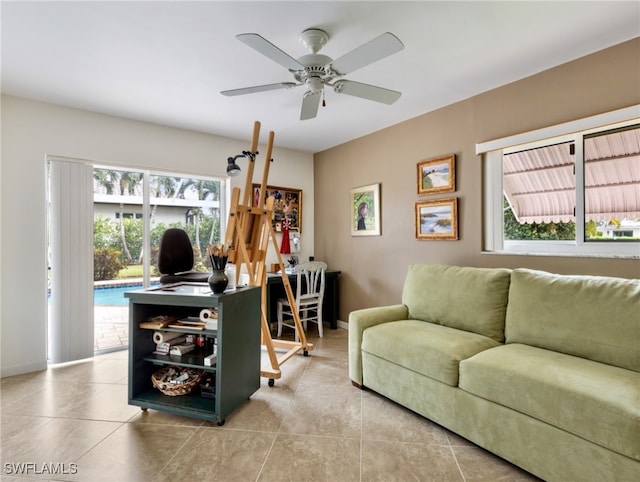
x=359, y=321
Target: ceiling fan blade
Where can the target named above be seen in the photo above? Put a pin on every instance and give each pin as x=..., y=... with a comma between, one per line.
x=269, y=50
x=310, y=104
x=366, y=91
x=374, y=50
x=259, y=88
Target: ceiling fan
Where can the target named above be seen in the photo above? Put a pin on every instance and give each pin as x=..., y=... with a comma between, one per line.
x=315, y=70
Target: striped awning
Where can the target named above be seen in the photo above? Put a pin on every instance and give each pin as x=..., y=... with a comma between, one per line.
x=539, y=184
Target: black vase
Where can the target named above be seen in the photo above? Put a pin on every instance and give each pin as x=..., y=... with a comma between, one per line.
x=218, y=281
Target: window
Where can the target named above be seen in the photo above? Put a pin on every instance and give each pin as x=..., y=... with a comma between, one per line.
x=191, y=203
x=570, y=194
x=539, y=193
x=129, y=215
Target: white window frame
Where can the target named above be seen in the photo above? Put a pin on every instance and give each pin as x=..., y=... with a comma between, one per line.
x=493, y=206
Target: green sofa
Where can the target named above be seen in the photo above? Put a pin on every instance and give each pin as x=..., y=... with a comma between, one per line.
x=541, y=369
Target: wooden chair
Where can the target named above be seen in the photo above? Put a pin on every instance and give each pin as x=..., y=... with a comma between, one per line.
x=310, y=280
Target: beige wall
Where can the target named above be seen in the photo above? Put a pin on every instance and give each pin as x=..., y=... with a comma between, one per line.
x=32, y=130
x=373, y=268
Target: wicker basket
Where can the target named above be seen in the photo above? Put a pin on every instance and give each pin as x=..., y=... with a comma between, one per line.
x=160, y=381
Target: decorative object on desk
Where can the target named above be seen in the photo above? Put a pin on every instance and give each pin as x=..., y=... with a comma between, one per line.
x=218, y=281
x=287, y=205
x=437, y=175
x=232, y=275
x=285, y=245
x=294, y=241
x=365, y=210
x=218, y=255
x=437, y=219
x=174, y=381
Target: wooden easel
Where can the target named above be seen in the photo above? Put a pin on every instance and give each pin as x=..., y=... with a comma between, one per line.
x=249, y=231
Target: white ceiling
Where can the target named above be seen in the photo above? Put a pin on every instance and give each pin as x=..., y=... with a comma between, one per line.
x=166, y=62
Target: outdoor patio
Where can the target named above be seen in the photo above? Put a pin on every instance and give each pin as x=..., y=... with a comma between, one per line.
x=111, y=328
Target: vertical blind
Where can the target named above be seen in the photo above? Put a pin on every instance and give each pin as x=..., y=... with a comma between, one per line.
x=71, y=325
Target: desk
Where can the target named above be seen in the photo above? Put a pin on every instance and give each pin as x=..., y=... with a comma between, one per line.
x=330, y=304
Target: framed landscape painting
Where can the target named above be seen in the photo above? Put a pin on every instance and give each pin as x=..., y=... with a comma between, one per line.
x=437, y=219
x=365, y=210
x=437, y=175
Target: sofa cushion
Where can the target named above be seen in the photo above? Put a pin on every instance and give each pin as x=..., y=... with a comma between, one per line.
x=470, y=299
x=593, y=317
x=595, y=401
x=426, y=348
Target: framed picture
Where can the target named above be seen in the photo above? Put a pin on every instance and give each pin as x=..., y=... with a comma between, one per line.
x=287, y=205
x=437, y=219
x=365, y=210
x=437, y=175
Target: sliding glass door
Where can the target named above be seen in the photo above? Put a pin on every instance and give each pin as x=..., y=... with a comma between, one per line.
x=131, y=209
x=118, y=255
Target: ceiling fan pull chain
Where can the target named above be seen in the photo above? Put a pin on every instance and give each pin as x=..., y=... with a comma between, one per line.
x=324, y=104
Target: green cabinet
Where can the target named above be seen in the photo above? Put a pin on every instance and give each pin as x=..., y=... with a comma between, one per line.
x=237, y=337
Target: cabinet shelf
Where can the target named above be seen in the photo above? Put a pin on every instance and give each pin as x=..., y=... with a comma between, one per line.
x=190, y=405
x=185, y=331
x=193, y=359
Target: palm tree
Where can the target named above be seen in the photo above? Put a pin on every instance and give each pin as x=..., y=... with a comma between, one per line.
x=176, y=187
x=163, y=187
x=205, y=189
x=106, y=178
x=126, y=183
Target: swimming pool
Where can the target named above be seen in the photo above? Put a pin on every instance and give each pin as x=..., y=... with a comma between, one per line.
x=113, y=295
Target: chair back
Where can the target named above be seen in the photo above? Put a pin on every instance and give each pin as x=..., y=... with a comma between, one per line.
x=176, y=252
x=310, y=281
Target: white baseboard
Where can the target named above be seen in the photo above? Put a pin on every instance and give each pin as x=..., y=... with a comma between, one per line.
x=22, y=369
x=343, y=324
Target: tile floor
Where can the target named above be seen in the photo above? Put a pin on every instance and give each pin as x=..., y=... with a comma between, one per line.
x=313, y=425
